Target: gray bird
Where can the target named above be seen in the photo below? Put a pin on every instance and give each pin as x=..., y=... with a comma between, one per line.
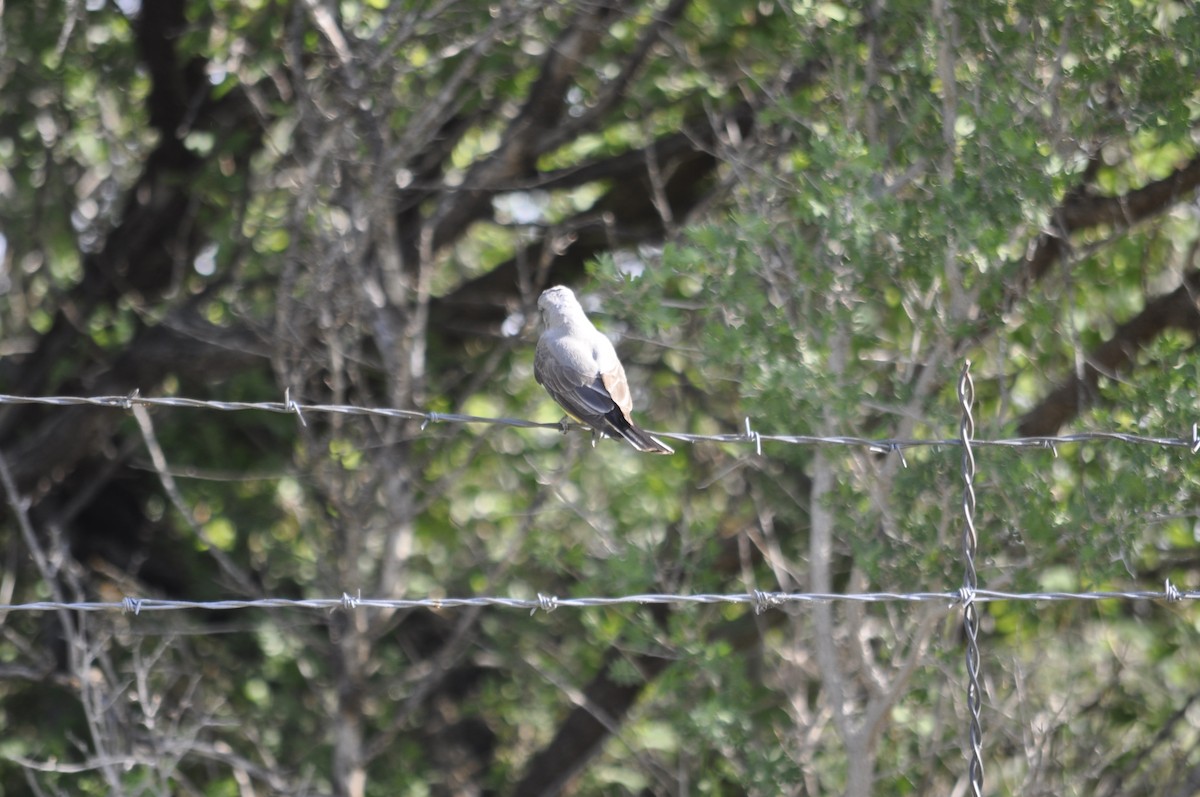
x=579, y=368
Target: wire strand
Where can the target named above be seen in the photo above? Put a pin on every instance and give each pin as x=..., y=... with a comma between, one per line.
x=288, y=406
x=760, y=600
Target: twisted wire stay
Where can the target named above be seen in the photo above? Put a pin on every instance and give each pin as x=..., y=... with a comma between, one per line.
x=970, y=541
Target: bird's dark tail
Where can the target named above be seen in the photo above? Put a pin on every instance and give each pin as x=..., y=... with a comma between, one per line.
x=640, y=439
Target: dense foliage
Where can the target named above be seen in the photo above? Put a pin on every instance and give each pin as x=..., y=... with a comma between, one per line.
x=805, y=214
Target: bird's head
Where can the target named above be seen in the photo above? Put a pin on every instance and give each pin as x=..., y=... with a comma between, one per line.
x=559, y=306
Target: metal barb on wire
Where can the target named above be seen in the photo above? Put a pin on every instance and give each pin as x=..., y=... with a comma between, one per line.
x=970, y=543
x=293, y=407
x=753, y=437
x=547, y=603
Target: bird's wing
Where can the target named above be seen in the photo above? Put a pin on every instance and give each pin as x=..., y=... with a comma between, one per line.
x=612, y=374
x=579, y=390
x=617, y=386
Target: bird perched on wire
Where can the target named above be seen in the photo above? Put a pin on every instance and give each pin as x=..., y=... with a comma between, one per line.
x=579, y=368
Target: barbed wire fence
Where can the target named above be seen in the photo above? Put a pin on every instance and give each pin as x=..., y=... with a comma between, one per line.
x=968, y=596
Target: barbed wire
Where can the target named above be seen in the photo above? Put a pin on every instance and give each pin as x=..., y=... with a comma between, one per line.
x=288, y=406
x=761, y=600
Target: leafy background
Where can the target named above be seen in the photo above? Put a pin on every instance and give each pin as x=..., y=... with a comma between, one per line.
x=807, y=214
